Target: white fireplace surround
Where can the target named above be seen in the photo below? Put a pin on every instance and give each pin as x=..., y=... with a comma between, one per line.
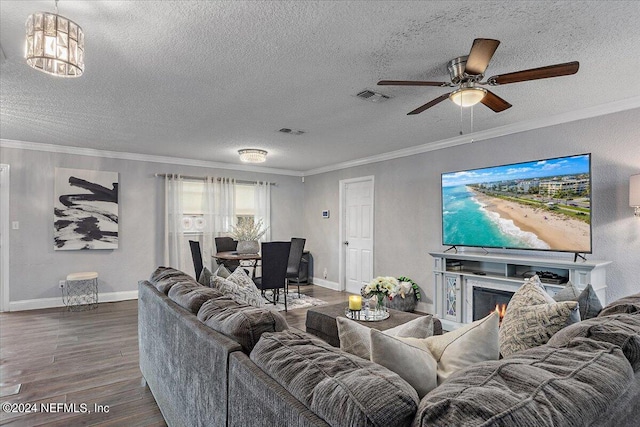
x=453, y=296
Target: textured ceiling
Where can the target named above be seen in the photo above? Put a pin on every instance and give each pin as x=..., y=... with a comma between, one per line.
x=200, y=80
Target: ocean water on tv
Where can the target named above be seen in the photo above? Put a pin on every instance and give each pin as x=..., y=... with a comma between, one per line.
x=466, y=223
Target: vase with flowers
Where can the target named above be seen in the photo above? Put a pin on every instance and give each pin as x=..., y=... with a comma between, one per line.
x=380, y=288
x=248, y=233
x=405, y=295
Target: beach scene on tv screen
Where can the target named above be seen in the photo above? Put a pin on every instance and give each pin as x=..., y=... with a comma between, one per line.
x=542, y=205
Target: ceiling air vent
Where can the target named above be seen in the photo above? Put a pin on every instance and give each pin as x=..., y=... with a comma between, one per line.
x=292, y=131
x=372, y=96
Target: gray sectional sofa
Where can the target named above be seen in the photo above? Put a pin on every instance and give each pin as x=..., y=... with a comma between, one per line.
x=210, y=361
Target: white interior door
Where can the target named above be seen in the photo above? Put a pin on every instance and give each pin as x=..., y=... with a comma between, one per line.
x=357, y=239
x=4, y=237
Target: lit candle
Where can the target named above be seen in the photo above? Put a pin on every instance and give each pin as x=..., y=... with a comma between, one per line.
x=355, y=302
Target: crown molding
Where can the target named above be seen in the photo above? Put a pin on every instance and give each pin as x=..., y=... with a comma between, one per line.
x=91, y=152
x=599, y=110
x=585, y=113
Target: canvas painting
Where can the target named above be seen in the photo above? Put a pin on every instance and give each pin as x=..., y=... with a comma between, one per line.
x=85, y=209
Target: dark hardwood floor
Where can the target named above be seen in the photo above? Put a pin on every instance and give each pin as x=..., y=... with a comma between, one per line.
x=57, y=357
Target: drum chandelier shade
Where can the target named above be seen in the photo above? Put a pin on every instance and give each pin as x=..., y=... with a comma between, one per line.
x=252, y=155
x=55, y=44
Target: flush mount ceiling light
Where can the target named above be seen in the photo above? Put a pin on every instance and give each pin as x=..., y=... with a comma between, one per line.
x=55, y=44
x=467, y=96
x=252, y=155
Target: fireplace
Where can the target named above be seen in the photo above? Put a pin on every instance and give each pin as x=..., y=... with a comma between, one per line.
x=485, y=300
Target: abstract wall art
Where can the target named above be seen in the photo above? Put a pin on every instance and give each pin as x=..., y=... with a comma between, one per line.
x=85, y=209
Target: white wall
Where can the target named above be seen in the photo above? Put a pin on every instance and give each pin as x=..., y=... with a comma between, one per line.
x=408, y=205
x=35, y=268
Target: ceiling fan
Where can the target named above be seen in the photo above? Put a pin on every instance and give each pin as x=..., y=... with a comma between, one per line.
x=467, y=73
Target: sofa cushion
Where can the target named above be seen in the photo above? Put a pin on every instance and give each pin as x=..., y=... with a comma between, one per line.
x=532, y=317
x=622, y=330
x=163, y=278
x=240, y=287
x=588, y=302
x=355, y=337
x=243, y=323
x=191, y=295
x=630, y=304
x=342, y=389
x=542, y=386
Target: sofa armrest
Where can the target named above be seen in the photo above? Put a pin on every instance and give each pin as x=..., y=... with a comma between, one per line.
x=184, y=362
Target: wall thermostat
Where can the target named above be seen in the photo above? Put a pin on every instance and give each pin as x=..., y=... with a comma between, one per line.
x=325, y=214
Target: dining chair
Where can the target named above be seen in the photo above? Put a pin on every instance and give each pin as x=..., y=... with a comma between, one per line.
x=227, y=244
x=196, y=254
x=295, y=257
x=275, y=256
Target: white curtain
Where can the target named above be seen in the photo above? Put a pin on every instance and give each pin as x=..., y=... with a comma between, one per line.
x=263, y=207
x=176, y=247
x=219, y=213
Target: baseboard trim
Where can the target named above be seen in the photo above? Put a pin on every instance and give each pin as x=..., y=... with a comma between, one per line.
x=326, y=284
x=35, y=304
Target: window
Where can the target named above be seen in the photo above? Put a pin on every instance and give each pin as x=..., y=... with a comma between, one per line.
x=193, y=204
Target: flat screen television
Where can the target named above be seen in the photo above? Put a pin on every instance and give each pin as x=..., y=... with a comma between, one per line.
x=540, y=205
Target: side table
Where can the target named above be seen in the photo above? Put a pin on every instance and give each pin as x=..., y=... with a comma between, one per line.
x=81, y=291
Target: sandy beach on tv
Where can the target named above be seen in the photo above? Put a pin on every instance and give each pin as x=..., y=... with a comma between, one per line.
x=560, y=232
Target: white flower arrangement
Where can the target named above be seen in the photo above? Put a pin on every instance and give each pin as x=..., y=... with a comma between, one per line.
x=405, y=287
x=248, y=231
x=379, y=286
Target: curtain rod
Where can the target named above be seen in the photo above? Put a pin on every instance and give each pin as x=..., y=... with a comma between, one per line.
x=203, y=178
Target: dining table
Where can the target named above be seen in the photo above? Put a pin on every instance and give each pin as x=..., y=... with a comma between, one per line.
x=235, y=256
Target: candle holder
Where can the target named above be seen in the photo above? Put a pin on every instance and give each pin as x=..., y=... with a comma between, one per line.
x=353, y=314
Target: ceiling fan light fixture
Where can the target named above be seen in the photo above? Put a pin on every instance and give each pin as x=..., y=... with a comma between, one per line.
x=252, y=155
x=54, y=44
x=467, y=96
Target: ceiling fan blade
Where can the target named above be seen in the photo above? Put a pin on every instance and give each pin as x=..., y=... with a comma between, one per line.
x=411, y=83
x=429, y=104
x=481, y=53
x=494, y=102
x=536, y=73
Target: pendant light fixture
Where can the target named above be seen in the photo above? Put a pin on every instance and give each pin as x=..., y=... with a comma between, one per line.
x=55, y=44
x=252, y=155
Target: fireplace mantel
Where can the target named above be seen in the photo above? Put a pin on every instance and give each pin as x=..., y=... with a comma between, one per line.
x=456, y=274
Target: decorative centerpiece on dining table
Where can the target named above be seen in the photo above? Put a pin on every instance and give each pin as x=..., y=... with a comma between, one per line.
x=248, y=234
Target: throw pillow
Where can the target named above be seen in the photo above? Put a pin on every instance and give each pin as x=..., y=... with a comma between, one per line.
x=532, y=317
x=413, y=363
x=588, y=302
x=240, y=278
x=475, y=342
x=205, y=277
x=247, y=295
x=222, y=271
x=355, y=338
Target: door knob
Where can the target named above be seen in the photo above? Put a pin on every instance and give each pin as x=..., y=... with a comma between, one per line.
x=346, y=242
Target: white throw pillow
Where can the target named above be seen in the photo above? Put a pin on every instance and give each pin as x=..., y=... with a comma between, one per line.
x=415, y=364
x=355, y=338
x=472, y=343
